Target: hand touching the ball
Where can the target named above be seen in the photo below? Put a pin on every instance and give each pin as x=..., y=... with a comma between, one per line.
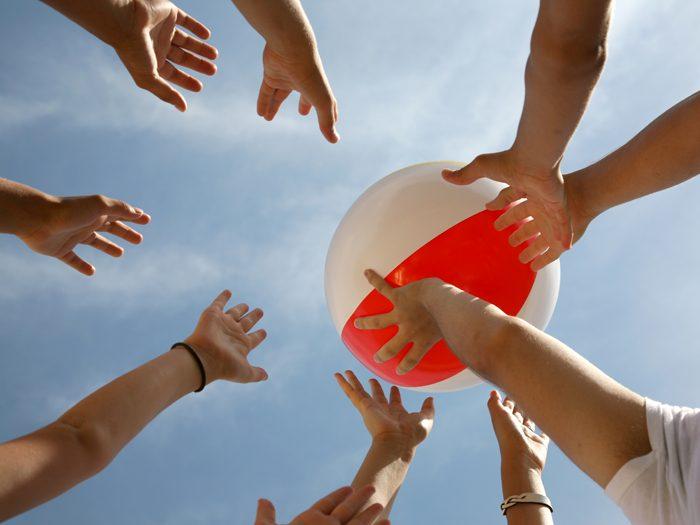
x=341, y=507
x=56, y=225
x=542, y=187
x=223, y=341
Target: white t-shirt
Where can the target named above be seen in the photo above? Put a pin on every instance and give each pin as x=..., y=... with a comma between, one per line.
x=663, y=487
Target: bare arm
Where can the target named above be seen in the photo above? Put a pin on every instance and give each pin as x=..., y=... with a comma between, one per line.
x=395, y=432
x=663, y=154
x=44, y=464
x=597, y=422
x=566, y=58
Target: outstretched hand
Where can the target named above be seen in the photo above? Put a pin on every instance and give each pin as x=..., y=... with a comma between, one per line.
x=152, y=46
x=388, y=420
x=224, y=340
x=70, y=221
x=303, y=72
x=521, y=446
x=546, y=203
x=341, y=507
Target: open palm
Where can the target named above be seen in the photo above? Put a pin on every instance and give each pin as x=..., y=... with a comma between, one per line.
x=78, y=220
x=153, y=46
x=224, y=341
x=387, y=418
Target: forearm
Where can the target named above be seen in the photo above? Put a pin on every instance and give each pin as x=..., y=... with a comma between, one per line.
x=282, y=23
x=22, y=208
x=566, y=58
x=48, y=462
x=517, y=480
x=385, y=467
x=596, y=421
x=102, y=18
x=663, y=154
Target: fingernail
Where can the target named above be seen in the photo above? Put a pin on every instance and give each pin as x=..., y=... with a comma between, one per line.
x=401, y=371
x=377, y=359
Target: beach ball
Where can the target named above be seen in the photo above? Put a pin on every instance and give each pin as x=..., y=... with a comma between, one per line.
x=412, y=225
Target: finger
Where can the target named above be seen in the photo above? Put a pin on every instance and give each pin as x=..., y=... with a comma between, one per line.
x=160, y=88
x=257, y=374
x=75, y=262
x=179, y=56
x=537, y=247
x=221, y=300
x=174, y=75
x=427, y=410
x=352, y=504
x=505, y=197
x=383, y=522
x=356, y=384
x=522, y=234
x=117, y=209
x=304, y=106
x=326, y=504
x=104, y=245
x=192, y=24
x=375, y=322
x=367, y=516
x=390, y=349
x=473, y=171
x=255, y=338
x=395, y=396
x=270, y=100
x=412, y=358
x=266, y=513
x=326, y=115
x=185, y=41
x=122, y=231
x=236, y=312
x=345, y=386
x=318, y=93
x=508, y=403
x=377, y=392
x=546, y=258
x=250, y=319
x=517, y=213
x=378, y=283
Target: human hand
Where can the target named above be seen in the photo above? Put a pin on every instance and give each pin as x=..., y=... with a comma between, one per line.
x=542, y=187
x=151, y=46
x=388, y=420
x=341, y=507
x=522, y=448
x=284, y=72
x=223, y=341
x=58, y=224
x=545, y=249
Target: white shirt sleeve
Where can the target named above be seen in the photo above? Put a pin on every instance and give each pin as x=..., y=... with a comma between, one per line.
x=663, y=487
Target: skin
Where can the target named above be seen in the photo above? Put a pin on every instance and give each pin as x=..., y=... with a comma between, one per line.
x=46, y=463
x=395, y=433
x=146, y=36
x=344, y=506
x=523, y=456
x=662, y=155
x=598, y=423
x=291, y=62
x=55, y=226
x=567, y=55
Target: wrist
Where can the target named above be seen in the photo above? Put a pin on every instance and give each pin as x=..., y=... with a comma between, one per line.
x=211, y=370
x=31, y=211
x=394, y=446
x=582, y=199
x=517, y=478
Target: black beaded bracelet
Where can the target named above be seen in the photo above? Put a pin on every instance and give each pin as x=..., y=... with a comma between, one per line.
x=197, y=359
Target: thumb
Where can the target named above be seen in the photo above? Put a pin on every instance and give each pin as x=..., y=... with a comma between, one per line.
x=468, y=174
x=266, y=513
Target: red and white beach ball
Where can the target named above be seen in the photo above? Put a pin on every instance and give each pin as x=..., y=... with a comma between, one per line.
x=411, y=225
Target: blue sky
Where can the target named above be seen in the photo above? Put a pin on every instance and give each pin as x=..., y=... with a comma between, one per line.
x=241, y=203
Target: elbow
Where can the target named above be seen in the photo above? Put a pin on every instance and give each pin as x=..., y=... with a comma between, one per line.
x=91, y=443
